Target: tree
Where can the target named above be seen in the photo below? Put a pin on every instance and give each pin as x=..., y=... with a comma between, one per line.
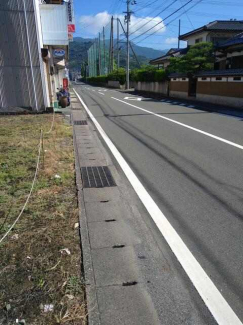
x=199, y=57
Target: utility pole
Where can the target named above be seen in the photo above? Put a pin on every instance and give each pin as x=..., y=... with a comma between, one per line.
x=130, y=44
x=127, y=21
x=99, y=58
x=179, y=34
x=112, y=45
x=118, y=49
x=104, y=50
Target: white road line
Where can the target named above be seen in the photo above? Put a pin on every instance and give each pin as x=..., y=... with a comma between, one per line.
x=100, y=93
x=218, y=306
x=184, y=125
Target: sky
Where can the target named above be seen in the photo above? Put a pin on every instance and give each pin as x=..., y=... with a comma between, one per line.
x=92, y=15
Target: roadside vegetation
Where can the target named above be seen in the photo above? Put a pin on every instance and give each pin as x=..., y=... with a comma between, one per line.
x=146, y=73
x=198, y=58
x=40, y=269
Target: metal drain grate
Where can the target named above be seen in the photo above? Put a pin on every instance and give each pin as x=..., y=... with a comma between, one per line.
x=83, y=122
x=96, y=177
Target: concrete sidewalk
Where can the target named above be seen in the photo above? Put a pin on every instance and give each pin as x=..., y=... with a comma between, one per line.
x=129, y=277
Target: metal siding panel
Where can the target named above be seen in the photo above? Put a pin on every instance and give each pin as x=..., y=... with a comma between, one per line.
x=54, y=24
x=16, y=79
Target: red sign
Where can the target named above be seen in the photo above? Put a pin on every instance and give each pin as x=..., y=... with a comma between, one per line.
x=71, y=28
x=65, y=83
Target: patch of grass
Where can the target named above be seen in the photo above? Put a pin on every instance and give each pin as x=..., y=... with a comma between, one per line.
x=33, y=270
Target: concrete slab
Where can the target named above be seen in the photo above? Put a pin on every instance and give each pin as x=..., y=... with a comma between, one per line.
x=101, y=194
x=78, y=115
x=115, y=266
x=126, y=306
x=92, y=162
x=108, y=234
x=91, y=151
x=97, y=211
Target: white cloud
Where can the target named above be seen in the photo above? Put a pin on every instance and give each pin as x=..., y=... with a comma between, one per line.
x=171, y=40
x=94, y=23
x=139, y=26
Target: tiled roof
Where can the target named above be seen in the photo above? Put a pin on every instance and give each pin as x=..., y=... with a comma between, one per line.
x=218, y=25
x=229, y=72
x=231, y=25
x=178, y=53
x=238, y=39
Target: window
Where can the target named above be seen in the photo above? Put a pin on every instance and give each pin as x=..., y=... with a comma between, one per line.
x=174, y=79
x=237, y=78
x=183, y=78
x=218, y=78
x=204, y=78
x=199, y=40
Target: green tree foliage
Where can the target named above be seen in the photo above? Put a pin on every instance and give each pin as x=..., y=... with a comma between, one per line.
x=148, y=73
x=118, y=75
x=198, y=58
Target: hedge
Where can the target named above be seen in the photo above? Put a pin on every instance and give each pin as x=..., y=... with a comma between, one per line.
x=149, y=74
x=97, y=80
x=118, y=75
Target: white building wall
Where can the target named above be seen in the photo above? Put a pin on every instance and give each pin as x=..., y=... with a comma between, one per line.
x=191, y=40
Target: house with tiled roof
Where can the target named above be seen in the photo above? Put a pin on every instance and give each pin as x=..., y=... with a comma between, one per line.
x=164, y=61
x=229, y=55
x=217, y=32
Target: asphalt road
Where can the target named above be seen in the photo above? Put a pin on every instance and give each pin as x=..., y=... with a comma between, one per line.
x=195, y=179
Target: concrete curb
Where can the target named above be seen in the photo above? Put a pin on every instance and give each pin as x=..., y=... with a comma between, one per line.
x=87, y=265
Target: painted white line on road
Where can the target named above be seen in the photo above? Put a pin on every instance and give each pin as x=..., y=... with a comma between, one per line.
x=184, y=125
x=133, y=98
x=218, y=306
x=100, y=93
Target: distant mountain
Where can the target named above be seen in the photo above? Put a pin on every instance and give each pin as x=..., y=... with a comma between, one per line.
x=148, y=52
x=80, y=46
x=78, y=52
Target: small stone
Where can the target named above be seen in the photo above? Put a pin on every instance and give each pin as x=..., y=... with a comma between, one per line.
x=65, y=250
x=48, y=308
x=76, y=225
x=8, y=307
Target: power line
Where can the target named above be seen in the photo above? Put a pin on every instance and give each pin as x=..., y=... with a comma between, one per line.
x=146, y=5
x=187, y=16
x=162, y=21
x=168, y=22
x=147, y=16
x=155, y=16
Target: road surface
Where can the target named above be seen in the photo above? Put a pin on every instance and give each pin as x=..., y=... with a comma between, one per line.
x=190, y=161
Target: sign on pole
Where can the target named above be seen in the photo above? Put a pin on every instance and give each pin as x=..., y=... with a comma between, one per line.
x=71, y=19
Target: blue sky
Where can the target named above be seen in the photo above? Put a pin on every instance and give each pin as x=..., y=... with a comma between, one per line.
x=91, y=15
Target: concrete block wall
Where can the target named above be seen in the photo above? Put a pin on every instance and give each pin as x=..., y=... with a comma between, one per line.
x=153, y=87
x=221, y=90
